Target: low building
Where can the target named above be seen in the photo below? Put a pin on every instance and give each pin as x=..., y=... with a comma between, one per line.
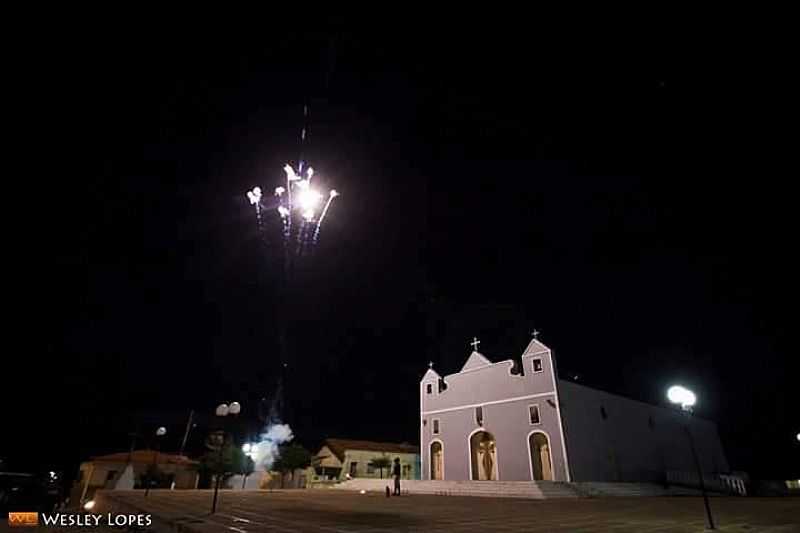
x=339, y=458
x=125, y=470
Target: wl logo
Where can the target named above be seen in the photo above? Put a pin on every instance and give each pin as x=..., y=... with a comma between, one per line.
x=23, y=519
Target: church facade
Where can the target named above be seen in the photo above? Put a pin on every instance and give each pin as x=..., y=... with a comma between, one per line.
x=518, y=422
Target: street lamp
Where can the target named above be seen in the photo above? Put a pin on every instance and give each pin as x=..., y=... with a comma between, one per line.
x=160, y=432
x=223, y=410
x=250, y=449
x=686, y=399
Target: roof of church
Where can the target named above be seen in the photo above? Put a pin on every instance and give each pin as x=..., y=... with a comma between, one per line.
x=478, y=360
x=475, y=360
x=144, y=456
x=339, y=446
x=535, y=346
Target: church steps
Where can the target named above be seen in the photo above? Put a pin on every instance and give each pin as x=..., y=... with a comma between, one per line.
x=502, y=489
x=517, y=489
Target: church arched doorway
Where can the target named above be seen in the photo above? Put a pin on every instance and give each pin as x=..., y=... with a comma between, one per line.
x=437, y=460
x=541, y=461
x=483, y=456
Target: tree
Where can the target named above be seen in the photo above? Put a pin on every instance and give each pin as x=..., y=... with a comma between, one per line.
x=290, y=458
x=381, y=462
x=234, y=460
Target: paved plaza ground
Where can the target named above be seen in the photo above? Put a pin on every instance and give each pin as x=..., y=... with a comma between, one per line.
x=332, y=511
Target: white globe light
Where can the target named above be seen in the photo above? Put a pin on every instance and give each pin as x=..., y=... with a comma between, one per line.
x=246, y=447
x=234, y=408
x=161, y=431
x=222, y=410
x=798, y=436
x=89, y=505
x=681, y=395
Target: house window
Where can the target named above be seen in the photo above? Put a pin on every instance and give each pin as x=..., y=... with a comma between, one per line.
x=435, y=426
x=429, y=388
x=370, y=469
x=479, y=415
x=533, y=414
x=353, y=469
x=406, y=471
x=537, y=364
x=110, y=475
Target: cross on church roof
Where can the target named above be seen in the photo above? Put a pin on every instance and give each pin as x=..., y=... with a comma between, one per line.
x=475, y=342
x=535, y=333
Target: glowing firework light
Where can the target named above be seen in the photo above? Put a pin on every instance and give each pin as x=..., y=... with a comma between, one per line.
x=298, y=206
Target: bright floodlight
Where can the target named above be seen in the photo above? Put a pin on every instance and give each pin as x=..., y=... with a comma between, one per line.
x=161, y=431
x=798, y=436
x=246, y=447
x=334, y=193
x=89, y=505
x=234, y=408
x=682, y=396
x=222, y=410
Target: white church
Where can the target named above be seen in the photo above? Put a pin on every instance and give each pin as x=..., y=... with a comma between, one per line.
x=518, y=422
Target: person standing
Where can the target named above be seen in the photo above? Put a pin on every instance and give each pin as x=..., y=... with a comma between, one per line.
x=396, y=474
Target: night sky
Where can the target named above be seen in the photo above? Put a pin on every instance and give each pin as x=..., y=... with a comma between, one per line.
x=624, y=193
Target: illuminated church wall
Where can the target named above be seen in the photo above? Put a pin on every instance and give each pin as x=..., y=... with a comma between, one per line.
x=608, y=437
x=505, y=400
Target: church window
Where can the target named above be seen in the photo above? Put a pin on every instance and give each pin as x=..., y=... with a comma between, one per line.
x=651, y=423
x=429, y=388
x=479, y=415
x=435, y=426
x=533, y=414
x=603, y=413
x=537, y=364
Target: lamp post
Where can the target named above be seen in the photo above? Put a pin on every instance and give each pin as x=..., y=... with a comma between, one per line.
x=223, y=410
x=686, y=399
x=249, y=449
x=160, y=432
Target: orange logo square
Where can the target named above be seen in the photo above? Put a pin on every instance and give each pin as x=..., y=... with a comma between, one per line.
x=23, y=519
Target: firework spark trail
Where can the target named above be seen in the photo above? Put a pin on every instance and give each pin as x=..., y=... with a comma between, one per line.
x=333, y=195
x=255, y=199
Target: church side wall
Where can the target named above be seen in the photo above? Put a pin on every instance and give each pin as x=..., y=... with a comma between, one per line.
x=635, y=441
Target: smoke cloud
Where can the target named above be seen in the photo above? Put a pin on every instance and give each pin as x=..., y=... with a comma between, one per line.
x=267, y=450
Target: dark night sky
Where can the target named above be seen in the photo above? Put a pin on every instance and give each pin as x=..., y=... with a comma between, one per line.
x=626, y=196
